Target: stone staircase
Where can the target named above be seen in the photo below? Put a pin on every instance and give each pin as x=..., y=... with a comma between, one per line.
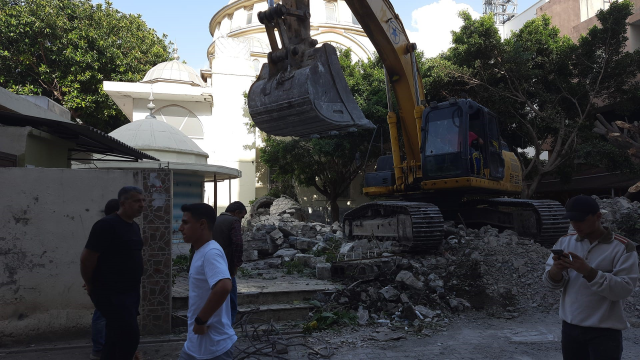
x=266, y=295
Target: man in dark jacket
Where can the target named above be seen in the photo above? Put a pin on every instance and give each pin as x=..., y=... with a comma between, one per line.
x=111, y=266
x=228, y=233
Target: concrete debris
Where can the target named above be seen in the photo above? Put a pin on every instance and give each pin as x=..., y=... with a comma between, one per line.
x=323, y=271
x=483, y=269
x=390, y=293
x=407, y=278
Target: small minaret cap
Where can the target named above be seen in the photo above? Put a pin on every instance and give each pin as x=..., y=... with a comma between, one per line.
x=151, y=106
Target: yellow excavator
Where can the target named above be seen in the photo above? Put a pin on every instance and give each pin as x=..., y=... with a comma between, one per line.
x=454, y=164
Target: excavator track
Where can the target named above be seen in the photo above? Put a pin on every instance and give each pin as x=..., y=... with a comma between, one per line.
x=540, y=219
x=416, y=226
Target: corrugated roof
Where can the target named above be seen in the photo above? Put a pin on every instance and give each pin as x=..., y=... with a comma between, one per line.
x=86, y=138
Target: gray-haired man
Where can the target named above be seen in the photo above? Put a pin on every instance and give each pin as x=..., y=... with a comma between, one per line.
x=111, y=266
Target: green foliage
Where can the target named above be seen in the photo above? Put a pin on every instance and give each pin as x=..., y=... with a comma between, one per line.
x=244, y=272
x=180, y=264
x=330, y=164
x=324, y=320
x=330, y=252
x=65, y=49
x=544, y=87
x=293, y=267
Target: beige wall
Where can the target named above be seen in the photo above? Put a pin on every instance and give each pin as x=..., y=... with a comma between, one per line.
x=34, y=147
x=565, y=14
x=46, y=217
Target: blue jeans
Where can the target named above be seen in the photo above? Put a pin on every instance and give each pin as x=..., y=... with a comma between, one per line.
x=233, y=300
x=584, y=343
x=97, y=331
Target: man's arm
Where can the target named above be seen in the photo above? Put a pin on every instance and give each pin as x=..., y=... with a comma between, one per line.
x=88, y=262
x=216, y=298
x=238, y=248
x=616, y=286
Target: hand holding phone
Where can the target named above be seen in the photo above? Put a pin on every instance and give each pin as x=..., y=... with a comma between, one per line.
x=560, y=253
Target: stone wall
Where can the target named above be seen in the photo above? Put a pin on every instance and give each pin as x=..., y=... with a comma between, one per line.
x=155, y=307
x=45, y=219
x=46, y=216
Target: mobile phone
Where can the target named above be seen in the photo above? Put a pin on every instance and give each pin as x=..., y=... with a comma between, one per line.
x=560, y=252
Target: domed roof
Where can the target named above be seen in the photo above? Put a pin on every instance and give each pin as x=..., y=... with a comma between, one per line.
x=173, y=72
x=153, y=134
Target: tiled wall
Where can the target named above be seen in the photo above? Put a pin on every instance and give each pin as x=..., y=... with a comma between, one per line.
x=155, y=307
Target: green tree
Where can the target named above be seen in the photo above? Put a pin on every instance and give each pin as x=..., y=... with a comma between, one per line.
x=543, y=86
x=330, y=164
x=65, y=49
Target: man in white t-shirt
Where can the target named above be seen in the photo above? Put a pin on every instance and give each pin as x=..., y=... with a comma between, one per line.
x=210, y=335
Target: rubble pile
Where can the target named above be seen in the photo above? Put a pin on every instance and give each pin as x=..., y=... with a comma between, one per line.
x=481, y=269
x=277, y=227
x=478, y=269
x=622, y=215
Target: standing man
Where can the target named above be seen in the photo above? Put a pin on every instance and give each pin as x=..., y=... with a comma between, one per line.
x=111, y=266
x=228, y=233
x=211, y=336
x=97, y=321
x=596, y=273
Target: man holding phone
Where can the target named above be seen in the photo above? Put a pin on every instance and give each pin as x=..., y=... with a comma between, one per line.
x=596, y=271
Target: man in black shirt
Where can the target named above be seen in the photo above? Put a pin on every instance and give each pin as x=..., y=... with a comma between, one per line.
x=111, y=266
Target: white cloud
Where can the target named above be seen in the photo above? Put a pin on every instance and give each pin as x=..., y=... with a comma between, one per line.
x=434, y=23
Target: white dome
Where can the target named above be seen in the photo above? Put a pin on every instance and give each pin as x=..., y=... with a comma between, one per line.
x=173, y=72
x=163, y=140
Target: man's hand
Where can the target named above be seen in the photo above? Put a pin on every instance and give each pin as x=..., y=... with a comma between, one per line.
x=580, y=266
x=200, y=329
x=558, y=267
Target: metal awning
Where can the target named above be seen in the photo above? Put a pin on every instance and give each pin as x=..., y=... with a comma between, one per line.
x=86, y=138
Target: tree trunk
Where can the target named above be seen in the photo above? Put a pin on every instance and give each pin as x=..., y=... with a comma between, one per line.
x=335, y=209
x=532, y=188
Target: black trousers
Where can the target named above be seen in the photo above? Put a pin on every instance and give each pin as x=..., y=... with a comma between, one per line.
x=122, y=333
x=589, y=343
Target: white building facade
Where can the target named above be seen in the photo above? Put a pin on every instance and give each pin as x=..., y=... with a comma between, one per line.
x=209, y=106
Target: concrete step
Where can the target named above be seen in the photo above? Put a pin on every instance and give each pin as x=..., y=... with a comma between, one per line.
x=275, y=312
x=258, y=298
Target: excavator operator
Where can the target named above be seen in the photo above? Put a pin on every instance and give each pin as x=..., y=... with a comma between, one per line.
x=475, y=156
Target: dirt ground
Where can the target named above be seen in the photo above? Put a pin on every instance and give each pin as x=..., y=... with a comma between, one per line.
x=470, y=336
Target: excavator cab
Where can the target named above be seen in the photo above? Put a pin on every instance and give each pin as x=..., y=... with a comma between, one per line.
x=460, y=138
x=301, y=91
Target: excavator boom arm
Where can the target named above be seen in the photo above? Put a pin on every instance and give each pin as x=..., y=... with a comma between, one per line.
x=384, y=28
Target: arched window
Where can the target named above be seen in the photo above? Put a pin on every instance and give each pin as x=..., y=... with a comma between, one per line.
x=331, y=11
x=182, y=119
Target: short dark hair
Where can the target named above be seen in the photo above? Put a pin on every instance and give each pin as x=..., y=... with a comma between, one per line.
x=235, y=206
x=111, y=207
x=201, y=211
x=123, y=194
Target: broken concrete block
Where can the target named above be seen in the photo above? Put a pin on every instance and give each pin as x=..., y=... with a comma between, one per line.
x=323, y=271
x=250, y=255
x=408, y=279
x=404, y=298
x=435, y=284
x=425, y=311
x=286, y=254
x=276, y=234
x=273, y=263
x=346, y=248
x=390, y=293
x=305, y=244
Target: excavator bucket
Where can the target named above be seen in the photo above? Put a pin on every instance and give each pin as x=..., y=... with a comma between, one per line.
x=313, y=99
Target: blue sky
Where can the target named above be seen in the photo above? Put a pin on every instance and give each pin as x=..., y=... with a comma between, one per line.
x=187, y=22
